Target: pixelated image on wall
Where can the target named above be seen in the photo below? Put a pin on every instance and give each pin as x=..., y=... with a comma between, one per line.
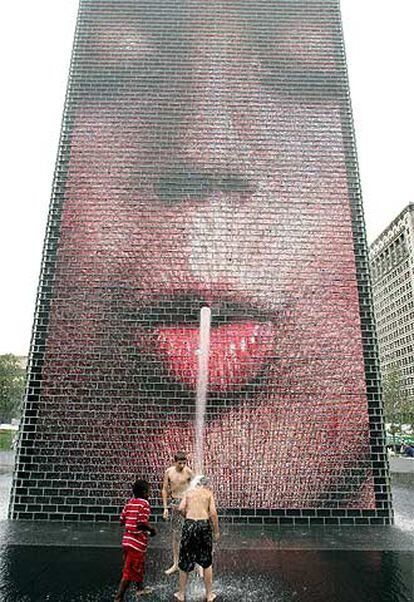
x=206, y=158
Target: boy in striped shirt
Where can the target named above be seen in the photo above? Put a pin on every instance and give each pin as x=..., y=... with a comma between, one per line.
x=135, y=516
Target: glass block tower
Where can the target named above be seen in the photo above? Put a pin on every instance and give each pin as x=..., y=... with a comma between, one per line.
x=206, y=159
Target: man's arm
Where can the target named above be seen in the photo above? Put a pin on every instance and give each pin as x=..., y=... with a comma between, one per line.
x=214, y=518
x=165, y=488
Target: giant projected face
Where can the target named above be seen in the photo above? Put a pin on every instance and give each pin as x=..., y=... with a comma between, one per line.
x=207, y=167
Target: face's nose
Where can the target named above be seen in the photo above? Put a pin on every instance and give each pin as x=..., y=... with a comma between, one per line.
x=210, y=137
x=213, y=133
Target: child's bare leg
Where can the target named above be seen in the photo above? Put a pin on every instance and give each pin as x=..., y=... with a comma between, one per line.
x=208, y=582
x=122, y=588
x=180, y=595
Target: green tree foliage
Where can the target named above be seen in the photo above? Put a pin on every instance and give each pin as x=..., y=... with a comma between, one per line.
x=12, y=381
x=398, y=406
x=407, y=412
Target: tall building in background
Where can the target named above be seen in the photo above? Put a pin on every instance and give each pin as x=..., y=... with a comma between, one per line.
x=392, y=269
x=206, y=158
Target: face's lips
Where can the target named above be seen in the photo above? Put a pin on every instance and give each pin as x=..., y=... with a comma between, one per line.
x=179, y=309
x=238, y=352
x=242, y=339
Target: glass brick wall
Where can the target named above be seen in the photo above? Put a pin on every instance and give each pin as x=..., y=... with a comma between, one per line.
x=206, y=158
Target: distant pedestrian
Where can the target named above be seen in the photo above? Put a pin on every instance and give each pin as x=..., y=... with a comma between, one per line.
x=408, y=450
x=135, y=517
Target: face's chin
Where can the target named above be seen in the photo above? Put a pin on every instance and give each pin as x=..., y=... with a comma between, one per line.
x=279, y=454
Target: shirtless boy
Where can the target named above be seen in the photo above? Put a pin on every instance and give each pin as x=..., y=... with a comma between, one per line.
x=199, y=508
x=176, y=481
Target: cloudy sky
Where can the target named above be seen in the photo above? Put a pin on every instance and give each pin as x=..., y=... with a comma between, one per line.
x=35, y=44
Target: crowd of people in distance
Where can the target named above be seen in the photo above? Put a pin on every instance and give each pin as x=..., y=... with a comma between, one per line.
x=190, y=507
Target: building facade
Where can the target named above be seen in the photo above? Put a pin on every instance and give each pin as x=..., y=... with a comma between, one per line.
x=206, y=158
x=392, y=269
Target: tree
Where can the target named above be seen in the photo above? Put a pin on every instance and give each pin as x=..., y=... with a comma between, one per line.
x=12, y=381
x=393, y=395
x=407, y=412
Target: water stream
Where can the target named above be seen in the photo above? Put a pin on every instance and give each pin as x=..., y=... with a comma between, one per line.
x=202, y=385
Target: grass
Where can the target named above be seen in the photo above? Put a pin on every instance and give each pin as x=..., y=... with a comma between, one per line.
x=6, y=439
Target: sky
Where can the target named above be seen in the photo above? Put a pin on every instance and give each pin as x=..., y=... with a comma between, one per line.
x=35, y=44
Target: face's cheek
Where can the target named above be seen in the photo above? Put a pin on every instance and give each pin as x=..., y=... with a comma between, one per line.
x=275, y=237
x=113, y=226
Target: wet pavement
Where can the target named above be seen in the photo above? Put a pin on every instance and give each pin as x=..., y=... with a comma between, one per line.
x=66, y=574
x=82, y=562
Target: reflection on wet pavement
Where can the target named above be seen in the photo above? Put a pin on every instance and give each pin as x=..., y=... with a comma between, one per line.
x=31, y=573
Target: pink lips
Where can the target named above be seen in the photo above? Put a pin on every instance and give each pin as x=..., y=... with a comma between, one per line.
x=238, y=351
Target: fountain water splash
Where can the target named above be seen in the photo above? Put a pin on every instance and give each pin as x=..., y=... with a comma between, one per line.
x=248, y=588
x=202, y=385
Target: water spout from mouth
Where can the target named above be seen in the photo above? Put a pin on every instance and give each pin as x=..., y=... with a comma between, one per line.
x=202, y=384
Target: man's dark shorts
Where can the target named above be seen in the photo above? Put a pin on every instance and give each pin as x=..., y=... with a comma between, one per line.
x=176, y=518
x=196, y=545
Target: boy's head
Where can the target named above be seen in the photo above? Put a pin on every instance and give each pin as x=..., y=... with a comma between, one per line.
x=200, y=481
x=180, y=460
x=141, y=489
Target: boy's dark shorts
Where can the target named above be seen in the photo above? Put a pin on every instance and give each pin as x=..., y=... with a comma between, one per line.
x=134, y=562
x=196, y=545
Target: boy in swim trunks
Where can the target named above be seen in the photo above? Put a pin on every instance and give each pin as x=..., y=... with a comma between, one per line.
x=200, y=525
x=176, y=481
x=135, y=517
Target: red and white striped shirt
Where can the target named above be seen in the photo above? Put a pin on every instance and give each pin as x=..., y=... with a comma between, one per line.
x=137, y=510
